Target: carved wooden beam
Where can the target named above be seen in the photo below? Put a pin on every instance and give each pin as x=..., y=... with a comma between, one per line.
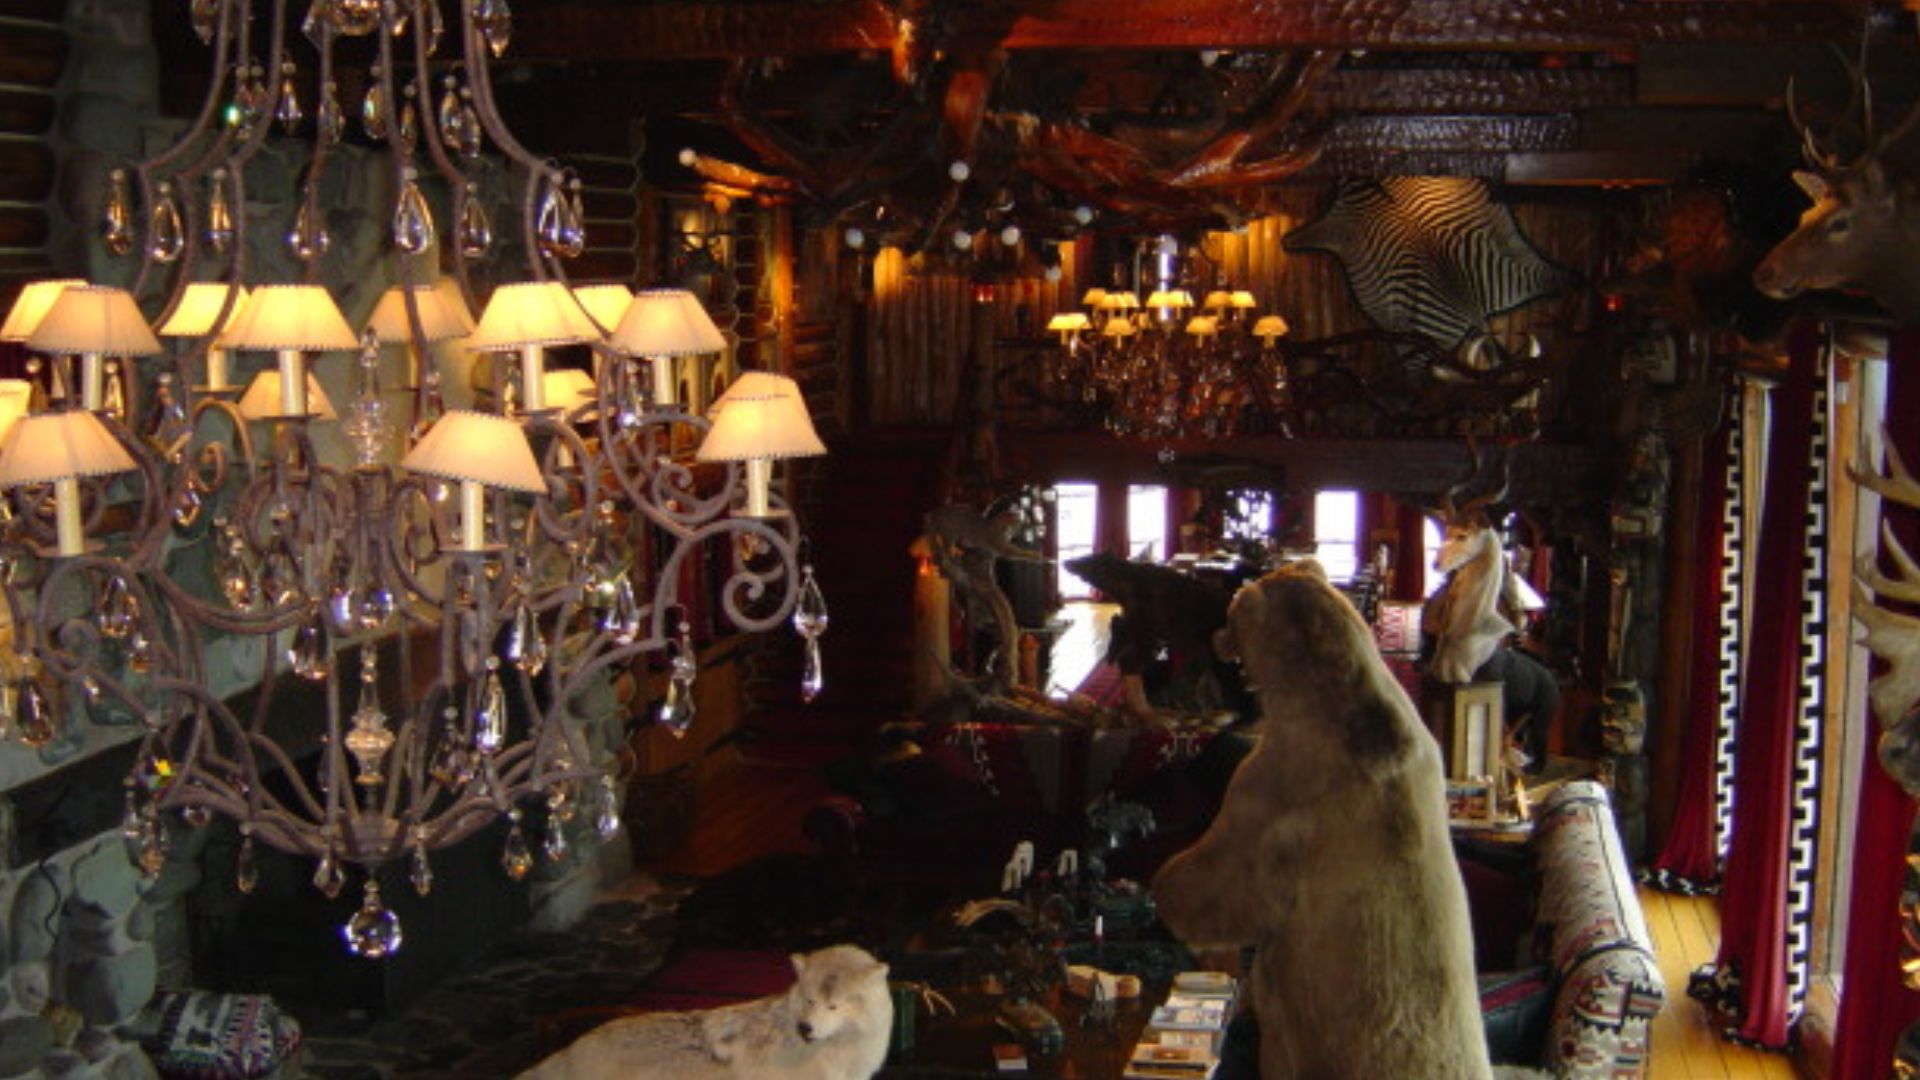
x=1460, y=90
x=684, y=30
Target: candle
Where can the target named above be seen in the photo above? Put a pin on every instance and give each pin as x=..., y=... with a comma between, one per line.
x=92, y=381
x=293, y=383
x=66, y=516
x=759, y=479
x=216, y=369
x=533, y=378
x=473, y=515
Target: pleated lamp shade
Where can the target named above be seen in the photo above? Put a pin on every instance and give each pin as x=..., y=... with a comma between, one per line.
x=60, y=446
x=98, y=319
x=606, y=303
x=1270, y=327
x=199, y=306
x=16, y=400
x=262, y=399
x=480, y=448
x=570, y=388
x=280, y=318
x=31, y=306
x=440, y=320
x=667, y=322
x=531, y=313
x=767, y=419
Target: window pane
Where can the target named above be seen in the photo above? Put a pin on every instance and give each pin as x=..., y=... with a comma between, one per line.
x=1147, y=523
x=1429, y=551
x=1076, y=524
x=1336, y=533
x=1252, y=517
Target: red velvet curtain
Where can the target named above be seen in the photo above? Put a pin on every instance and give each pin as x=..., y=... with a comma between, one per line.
x=1690, y=862
x=1875, y=1004
x=1748, y=981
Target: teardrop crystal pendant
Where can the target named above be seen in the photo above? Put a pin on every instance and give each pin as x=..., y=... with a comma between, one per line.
x=676, y=710
x=813, y=677
x=409, y=126
x=317, y=22
x=436, y=27
x=573, y=229
x=448, y=114
x=420, y=868
x=205, y=15
x=36, y=722
x=219, y=213
x=472, y=132
x=116, y=217
x=525, y=647
x=490, y=713
x=308, y=654
x=328, y=877
x=287, y=110
x=374, y=108
x=547, y=217
x=166, y=237
x=476, y=232
x=398, y=17
x=810, y=621
x=515, y=859
x=413, y=230
x=246, y=867
x=119, y=612
x=554, y=844
x=330, y=121
x=374, y=932
x=606, y=820
x=494, y=20
x=308, y=239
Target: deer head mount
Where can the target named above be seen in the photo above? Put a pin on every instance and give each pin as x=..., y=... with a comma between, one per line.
x=1859, y=231
x=1468, y=617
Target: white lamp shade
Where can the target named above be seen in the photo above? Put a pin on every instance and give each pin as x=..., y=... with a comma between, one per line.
x=531, y=313
x=480, y=447
x=667, y=322
x=262, y=399
x=439, y=319
x=1118, y=328
x=1119, y=301
x=1068, y=321
x=456, y=300
x=1242, y=300
x=289, y=317
x=199, y=306
x=94, y=319
x=1217, y=299
x=768, y=419
x=1159, y=298
x=755, y=384
x=16, y=400
x=570, y=388
x=1094, y=298
x=31, y=306
x=606, y=303
x=60, y=446
x=1270, y=326
x=1203, y=326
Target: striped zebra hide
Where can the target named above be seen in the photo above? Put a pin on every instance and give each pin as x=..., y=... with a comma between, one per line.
x=1430, y=255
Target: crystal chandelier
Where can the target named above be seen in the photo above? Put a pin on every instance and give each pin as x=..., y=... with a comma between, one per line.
x=454, y=589
x=1165, y=370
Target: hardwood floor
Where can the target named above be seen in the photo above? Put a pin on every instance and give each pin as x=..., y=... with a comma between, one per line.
x=1686, y=934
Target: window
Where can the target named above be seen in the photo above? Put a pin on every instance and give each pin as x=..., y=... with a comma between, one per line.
x=1430, y=551
x=1336, y=533
x=1076, y=524
x=1251, y=516
x=1147, y=523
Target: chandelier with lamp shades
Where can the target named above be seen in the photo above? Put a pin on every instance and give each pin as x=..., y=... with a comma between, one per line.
x=490, y=563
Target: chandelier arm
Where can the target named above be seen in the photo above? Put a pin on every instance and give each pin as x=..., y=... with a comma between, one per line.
x=435, y=139
x=317, y=162
x=480, y=80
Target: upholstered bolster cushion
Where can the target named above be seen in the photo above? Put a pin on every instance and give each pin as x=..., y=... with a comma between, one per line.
x=201, y=1035
x=1601, y=953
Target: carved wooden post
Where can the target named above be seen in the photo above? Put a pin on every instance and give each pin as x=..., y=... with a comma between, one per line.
x=1633, y=637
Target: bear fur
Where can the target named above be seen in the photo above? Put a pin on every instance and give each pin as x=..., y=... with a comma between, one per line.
x=834, y=1023
x=1331, y=855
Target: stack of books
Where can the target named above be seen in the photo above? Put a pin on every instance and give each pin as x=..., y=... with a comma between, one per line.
x=1183, y=1037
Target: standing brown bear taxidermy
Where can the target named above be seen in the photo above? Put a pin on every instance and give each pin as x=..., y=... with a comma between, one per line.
x=1331, y=855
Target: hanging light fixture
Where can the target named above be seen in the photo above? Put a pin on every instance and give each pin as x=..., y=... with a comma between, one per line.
x=498, y=562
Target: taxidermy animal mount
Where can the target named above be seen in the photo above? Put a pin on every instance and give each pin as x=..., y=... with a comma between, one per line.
x=1467, y=617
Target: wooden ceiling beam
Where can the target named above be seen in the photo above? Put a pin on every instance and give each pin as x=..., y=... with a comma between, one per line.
x=681, y=29
x=1463, y=90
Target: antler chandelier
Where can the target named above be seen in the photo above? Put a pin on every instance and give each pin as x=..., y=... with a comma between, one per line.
x=504, y=562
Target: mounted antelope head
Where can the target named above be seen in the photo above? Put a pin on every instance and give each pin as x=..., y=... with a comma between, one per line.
x=1862, y=226
x=1465, y=617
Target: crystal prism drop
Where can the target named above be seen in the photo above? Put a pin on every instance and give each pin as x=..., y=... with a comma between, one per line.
x=196, y=816
x=448, y=115
x=131, y=823
x=476, y=232
x=547, y=218
x=420, y=871
x=205, y=15
x=810, y=610
x=494, y=20
x=490, y=716
x=554, y=844
x=246, y=868
x=308, y=239
x=413, y=230
x=36, y=722
x=328, y=877
x=330, y=121
x=676, y=709
x=813, y=677
x=166, y=238
x=373, y=932
x=624, y=617
x=374, y=109
x=606, y=819
x=399, y=17
x=377, y=608
x=340, y=610
x=317, y=22
x=116, y=218
x=409, y=127
x=525, y=646
x=119, y=612
x=472, y=133
x=308, y=653
x=515, y=859
x=573, y=231
x=436, y=27
x=287, y=110
x=153, y=845
x=219, y=213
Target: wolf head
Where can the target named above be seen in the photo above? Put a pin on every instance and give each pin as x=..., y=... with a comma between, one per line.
x=839, y=989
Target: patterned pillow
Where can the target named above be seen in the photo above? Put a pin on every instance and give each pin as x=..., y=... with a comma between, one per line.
x=203, y=1035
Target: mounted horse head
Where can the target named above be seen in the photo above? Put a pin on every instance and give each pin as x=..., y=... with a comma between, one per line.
x=1861, y=228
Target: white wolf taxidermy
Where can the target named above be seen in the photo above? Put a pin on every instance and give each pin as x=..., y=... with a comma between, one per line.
x=832, y=1024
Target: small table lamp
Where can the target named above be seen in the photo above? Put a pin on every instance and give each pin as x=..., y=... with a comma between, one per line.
x=96, y=321
x=606, y=303
x=193, y=317
x=480, y=451
x=441, y=319
x=662, y=325
x=529, y=316
x=263, y=400
x=291, y=320
x=60, y=448
x=765, y=420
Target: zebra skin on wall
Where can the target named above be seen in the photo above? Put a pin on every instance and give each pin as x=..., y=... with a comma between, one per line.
x=1430, y=255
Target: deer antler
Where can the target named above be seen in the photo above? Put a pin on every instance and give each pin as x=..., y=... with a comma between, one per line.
x=1897, y=484
x=1892, y=636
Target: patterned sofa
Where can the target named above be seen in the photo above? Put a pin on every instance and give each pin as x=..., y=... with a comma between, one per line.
x=1607, y=985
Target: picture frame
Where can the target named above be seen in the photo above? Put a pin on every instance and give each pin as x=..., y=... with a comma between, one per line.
x=1478, y=741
